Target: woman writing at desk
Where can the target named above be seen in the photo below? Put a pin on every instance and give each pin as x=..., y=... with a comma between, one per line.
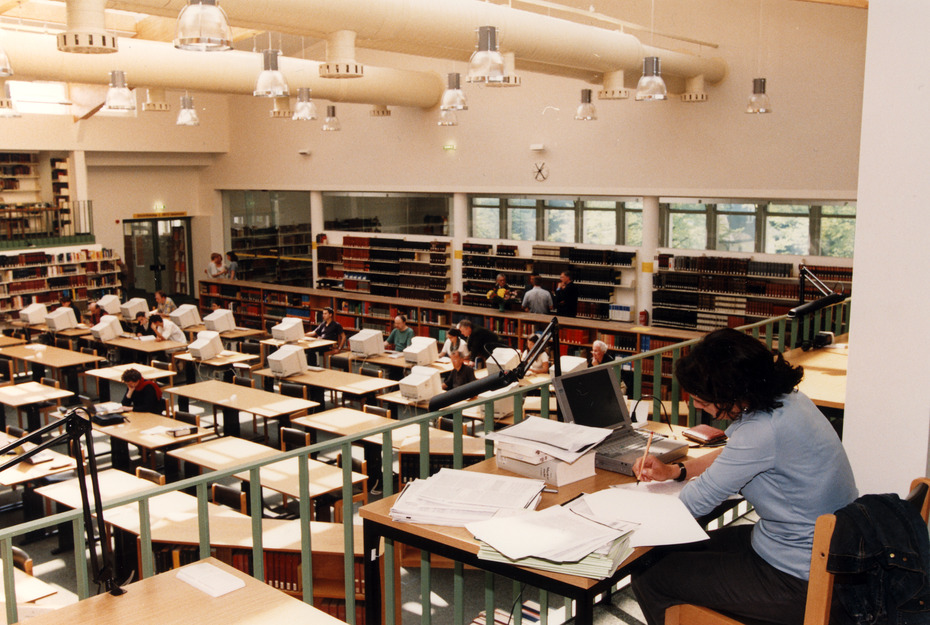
x=141, y=394
x=782, y=455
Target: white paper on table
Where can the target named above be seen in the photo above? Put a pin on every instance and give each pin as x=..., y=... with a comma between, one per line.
x=668, y=487
x=482, y=490
x=663, y=519
x=156, y=430
x=565, y=441
x=210, y=579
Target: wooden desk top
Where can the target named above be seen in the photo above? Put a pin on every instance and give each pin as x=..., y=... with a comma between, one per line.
x=335, y=380
x=113, y=485
x=29, y=588
x=252, y=400
x=115, y=373
x=232, y=335
x=25, y=472
x=166, y=600
x=824, y=372
x=148, y=347
x=80, y=330
x=342, y=421
x=27, y=393
x=6, y=341
x=308, y=343
x=48, y=355
x=226, y=452
x=223, y=359
x=150, y=430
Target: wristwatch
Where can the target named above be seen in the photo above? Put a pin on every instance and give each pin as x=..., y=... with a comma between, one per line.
x=683, y=472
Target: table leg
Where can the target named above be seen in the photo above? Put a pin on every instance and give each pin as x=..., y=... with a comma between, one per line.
x=372, y=542
x=230, y=422
x=70, y=375
x=119, y=455
x=104, y=386
x=32, y=417
x=38, y=372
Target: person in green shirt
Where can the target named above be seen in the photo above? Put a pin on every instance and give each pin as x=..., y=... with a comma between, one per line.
x=400, y=336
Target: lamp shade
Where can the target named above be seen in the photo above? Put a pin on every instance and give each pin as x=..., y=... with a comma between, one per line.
x=5, y=68
x=187, y=116
x=651, y=86
x=271, y=82
x=486, y=63
x=453, y=98
x=448, y=118
x=203, y=27
x=759, y=100
x=586, y=111
x=305, y=109
x=331, y=123
x=119, y=97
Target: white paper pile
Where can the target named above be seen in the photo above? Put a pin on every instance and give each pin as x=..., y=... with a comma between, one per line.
x=565, y=441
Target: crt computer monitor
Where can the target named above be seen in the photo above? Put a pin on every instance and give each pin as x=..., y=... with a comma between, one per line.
x=423, y=383
x=130, y=309
x=367, y=343
x=185, y=316
x=287, y=360
x=33, y=314
x=421, y=351
x=108, y=329
x=206, y=346
x=507, y=357
x=504, y=405
x=567, y=364
x=220, y=320
x=61, y=319
x=110, y=304
x=290, y=329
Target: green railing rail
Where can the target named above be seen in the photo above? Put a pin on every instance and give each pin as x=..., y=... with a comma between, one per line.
x=779, y=332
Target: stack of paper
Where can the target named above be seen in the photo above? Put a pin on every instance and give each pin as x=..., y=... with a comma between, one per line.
x=565, y=441
x=453, y=497
x=555, y=539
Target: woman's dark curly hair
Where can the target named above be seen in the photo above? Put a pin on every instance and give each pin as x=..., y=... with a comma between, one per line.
x=736, y=372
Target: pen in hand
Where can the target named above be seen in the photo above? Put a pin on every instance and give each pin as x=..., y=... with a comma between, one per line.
x=645, y=455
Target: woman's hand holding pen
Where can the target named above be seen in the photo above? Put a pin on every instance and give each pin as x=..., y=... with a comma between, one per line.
x=651, y=469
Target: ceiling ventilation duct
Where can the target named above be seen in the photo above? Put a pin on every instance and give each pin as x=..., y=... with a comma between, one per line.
x=155, y=101
x=340, y=57
x=86, y=33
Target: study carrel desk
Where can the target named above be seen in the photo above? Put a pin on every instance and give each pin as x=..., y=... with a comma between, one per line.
x=824, y=372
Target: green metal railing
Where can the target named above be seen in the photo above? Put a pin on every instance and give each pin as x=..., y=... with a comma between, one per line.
x=778, y=332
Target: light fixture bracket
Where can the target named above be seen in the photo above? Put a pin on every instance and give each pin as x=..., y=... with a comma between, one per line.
x=342, y=70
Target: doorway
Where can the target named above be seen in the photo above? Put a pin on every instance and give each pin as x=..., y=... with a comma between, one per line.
x=157, y=256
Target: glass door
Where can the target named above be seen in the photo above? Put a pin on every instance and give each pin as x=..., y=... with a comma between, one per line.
x=157, y=256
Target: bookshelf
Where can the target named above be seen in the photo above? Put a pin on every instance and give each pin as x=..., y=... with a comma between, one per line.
x=605, y=278
x=61, y=182
x=178, y=273
x=19, y=178
x=39, y=277
x=707, y=292
x=280, y=254
x=385, y=266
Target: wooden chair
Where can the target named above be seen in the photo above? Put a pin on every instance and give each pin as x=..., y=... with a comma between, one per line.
x=292, y=389
x=359, y=491
x=820, y=585
x=164, y=366
x=15, y=432
x=7, y=372
x=448, y=424
x=151, y=475
x=22, y=560
x=229, y=496
x=90, y=351
x=292, y=438
x=253, y=348
x=63, y=343
x=371, y=371
x=377, y=410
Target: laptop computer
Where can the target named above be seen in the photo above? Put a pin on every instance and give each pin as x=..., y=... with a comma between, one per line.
x=592, y=397
x=104, y=414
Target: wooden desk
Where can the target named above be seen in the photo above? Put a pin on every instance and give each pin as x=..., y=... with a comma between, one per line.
x=223, y=453
x=23, y=473
x=333, y=380
x=225, y=358
x=310, y=344
x=6, y=341
x=234, y=398
x=27, y=395
x=113, y=485
x=824, y=372
x=28, y=588
x=166, y=600
x=64, y=361
x=115, y=374
x=228, y=335
x=146, y=431
x=80, y=330
x=147, y=348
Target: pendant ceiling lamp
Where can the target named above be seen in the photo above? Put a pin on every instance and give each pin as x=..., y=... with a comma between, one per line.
x=651, y=87
x=271, y=82
x=487, y=63
x=448, y=118
x=759, y=100
x=305, y=109
x=5, y=68
x=331, y=123
x=119, y=97
x=203, y=27
x=586, y=111
x=187, y=116
x=453, y=98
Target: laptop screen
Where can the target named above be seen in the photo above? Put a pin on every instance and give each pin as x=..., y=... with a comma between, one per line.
x=592, y=397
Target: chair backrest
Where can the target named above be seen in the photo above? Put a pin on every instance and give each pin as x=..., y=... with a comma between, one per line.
x=151, y=475
x=448, y=424
x=292, y=438
x=241, y=380
x=359, y=465
x=374, y=372
x=187, y=417
x=89, y=351
x=292, y=389
x=15, y=432
x=50, y=382
x=62, y=343
x=251, y=348
x=376, y=410
x=7, y=372
x=163, y=365
x=229, y=496
x=22, y=560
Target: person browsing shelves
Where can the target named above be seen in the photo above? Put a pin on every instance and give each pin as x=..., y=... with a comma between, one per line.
x=142, y=395
x=400, y=336
x=566, y=296
x=782, y=455
x=329, y=329
x=216, y=268
x=537, y=299
x=461, y=373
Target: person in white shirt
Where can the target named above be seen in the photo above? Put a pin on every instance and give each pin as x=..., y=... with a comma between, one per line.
x=455, y=342
x=166, y=329
x=541, y=364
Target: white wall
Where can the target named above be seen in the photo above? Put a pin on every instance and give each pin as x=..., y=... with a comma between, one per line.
x=887, y=404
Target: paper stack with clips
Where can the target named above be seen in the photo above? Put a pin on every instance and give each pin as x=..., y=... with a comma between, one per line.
x=559, y=453
x=454, y=497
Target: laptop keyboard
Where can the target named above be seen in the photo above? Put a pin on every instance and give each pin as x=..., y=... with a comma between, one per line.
x=623, y=444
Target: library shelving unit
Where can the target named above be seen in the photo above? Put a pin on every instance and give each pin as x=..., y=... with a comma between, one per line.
x=39, y=277
x=19, y=178
x=178, y=276
x=599, y=275
x=279, y=254
x=389, y=267
x=707, y=292
x=61, y=182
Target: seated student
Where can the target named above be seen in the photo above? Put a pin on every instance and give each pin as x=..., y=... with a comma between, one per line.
x=455, y=342
x=65, y=300
x=541, y=364
x=164, y=305
x=141, y=326
x=166, y=329
x=329, y=329
x=599, y=354
x=399, y=338
x=94, y=314
x=478, y=339
x=141, y=394
x=460, y=374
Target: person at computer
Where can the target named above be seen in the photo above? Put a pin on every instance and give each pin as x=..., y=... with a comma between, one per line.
x=93, y=314
x=65, y=301
x=478, y=339
x=400, y=337
x=140, y=325
x=329, y=329
x=455, y=342
x=541, y=364
x=142, y=395
x=599, y=354
x=164, y=305
x=782, y=455
x=537, y=299
x=566, y=296
x=461, y=372
x=166, y=329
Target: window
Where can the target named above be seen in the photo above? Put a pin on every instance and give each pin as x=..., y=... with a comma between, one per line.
x=521, y=220
x=837, y=230
x=687, y=226
x=392, y=213
x=787, y=229
x=559, y=221
x=599, y=223
x=486, y=218
x=736, y=227
x=633, y=223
